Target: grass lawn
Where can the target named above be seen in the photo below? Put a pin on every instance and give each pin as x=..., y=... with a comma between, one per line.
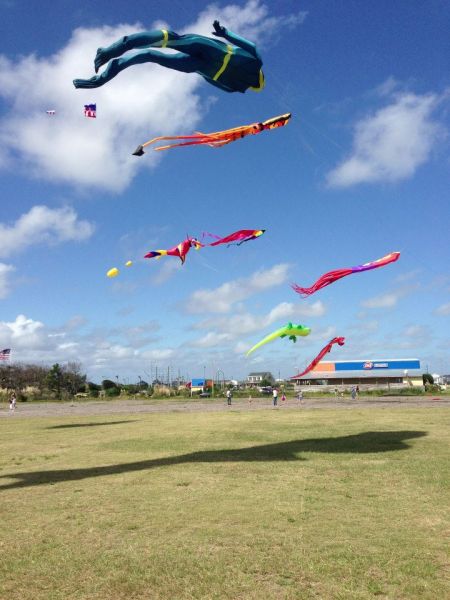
x=294, y=503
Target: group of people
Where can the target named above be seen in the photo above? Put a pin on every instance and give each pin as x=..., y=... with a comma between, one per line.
x=274, y=397
x=299, y=396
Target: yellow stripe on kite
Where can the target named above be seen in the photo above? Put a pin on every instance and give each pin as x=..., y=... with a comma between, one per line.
x=261, y=83
x=226, y=60
x=165, y=39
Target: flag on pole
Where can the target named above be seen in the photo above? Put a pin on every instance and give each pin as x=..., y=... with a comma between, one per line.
x=5, y=354
x=90, y=110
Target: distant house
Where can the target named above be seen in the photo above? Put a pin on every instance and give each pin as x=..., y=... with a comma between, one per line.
x=258, y=378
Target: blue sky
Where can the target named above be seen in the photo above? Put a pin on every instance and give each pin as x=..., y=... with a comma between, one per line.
x=361, y=170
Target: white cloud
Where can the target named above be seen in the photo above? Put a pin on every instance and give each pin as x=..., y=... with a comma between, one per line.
x=221, y=299
x=389, y=299
x=415, y=331
x=142, y=102
x=5, y=271
x=23, y=333
x=166, y=272
x=392, y=143
x=383, y=301
x=43, y=225
x=211, y=339
x=252, y=20
x=443, y=310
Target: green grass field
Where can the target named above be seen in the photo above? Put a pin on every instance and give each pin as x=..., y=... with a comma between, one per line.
x=291, y=503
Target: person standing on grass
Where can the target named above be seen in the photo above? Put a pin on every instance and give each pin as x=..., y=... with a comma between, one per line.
x=275, y=396
x=12, y=402
x=229, y=396
x=283, y=397
x=353, y=393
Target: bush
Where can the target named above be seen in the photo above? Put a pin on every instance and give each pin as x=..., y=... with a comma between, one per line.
x=432, y=388
x=112, y=392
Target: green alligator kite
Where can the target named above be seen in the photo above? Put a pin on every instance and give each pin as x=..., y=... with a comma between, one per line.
x=289, y=330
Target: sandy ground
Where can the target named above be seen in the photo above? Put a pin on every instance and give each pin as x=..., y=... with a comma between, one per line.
x=130, y=406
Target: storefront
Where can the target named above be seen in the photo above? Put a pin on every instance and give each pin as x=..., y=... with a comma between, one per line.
x=369, y=373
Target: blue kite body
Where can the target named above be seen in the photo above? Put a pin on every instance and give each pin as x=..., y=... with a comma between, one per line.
x=233, y=67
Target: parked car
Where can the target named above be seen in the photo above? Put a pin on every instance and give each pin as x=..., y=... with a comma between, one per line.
x=205, y=395
x=265, y=390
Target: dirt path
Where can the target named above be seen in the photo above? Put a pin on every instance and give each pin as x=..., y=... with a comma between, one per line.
x=130, y=406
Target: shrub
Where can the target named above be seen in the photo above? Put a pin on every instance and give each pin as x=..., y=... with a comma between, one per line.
x=112, y=392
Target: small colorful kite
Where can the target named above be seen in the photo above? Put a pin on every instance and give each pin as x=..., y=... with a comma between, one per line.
x=289, y=330
x=238, y=237
x=51, y=112
x=181, y=250
x=219, y=138
x=90, y=110
x=325, y=350
x=333, y=276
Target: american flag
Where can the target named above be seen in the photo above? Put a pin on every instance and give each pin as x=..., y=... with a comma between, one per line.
x=5, y=354
x=90, y=110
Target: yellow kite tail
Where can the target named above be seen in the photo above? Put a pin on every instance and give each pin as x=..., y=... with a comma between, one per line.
x=268, y=338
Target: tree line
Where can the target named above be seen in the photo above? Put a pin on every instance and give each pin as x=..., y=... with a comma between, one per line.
x=59, y=382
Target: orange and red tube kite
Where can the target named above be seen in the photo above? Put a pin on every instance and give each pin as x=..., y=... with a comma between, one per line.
x=218, y=138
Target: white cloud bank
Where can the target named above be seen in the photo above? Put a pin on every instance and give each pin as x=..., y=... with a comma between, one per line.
x=142, y=102
x=43, y=225
x=40, y=225
x=392, y=143
x=116, y=349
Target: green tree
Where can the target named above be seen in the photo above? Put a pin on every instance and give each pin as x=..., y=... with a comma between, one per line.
x=94, y=389
x=54, y=380
x=427, y=378
x=73, y=380
x=107, y=384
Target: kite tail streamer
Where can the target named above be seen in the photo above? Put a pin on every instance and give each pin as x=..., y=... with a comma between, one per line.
x=322, y=282
x=212, y=235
